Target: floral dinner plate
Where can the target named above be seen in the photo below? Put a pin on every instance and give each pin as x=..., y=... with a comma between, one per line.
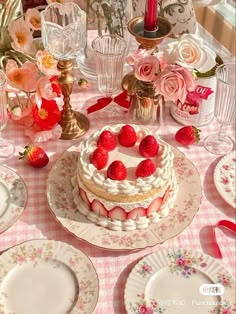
x=13, y=196
x=225, y=178
x=177, y=281
x=44, y=276
x=60, y=201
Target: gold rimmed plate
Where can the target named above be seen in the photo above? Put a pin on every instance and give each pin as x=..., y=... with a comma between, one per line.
x=177, y=281
x=13, y=196
x=60, y=201
x=45, y=276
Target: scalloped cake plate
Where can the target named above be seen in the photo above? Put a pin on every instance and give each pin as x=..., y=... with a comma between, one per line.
x=13, y=195
x=45, y=276
x=177, y=281
x=225, y=178
x=60, y=201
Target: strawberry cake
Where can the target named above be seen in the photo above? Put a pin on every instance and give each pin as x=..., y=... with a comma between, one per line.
x=125, y=179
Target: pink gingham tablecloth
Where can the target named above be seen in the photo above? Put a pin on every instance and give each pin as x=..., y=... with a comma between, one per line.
x=113, y=267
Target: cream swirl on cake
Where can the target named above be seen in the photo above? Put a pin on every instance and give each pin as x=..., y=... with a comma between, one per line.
x=88, y=173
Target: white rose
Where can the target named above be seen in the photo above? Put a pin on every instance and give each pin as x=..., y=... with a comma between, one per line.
x=188, y=51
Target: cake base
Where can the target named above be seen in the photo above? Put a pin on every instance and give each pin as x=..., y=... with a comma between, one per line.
x=129, y=224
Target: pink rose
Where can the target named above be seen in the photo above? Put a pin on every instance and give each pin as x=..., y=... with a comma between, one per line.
x=188, y=51
x=140, y=53
x=174, y=82
x=143, y=309
x=147, y=68
x=180, y=262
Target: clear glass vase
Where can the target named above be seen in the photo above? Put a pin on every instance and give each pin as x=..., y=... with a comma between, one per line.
x=144, y=102
x=103, y=18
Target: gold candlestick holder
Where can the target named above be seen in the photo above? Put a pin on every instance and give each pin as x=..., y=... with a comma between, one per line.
x=74, y=124
x=136, y=28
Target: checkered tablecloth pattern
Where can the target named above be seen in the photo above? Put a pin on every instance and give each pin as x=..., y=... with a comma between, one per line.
x=113, y=267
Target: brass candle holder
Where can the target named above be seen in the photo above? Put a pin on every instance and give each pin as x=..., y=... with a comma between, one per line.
x=136, y=28
x=74, y=124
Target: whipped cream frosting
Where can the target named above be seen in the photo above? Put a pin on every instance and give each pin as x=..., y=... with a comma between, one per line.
x=131, y=185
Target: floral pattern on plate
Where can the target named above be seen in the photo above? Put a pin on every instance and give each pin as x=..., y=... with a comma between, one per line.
x=143, y=306
x=183, y=263
x=61, y=203
x=157, y=284
x=13, y=195
x=54, y=264
x=225, y=178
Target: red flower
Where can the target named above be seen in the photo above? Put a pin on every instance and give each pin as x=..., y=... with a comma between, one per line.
x=55, y=85
x=48, y=115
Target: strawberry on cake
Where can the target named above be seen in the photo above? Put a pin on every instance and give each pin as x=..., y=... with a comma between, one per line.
x=125, y=178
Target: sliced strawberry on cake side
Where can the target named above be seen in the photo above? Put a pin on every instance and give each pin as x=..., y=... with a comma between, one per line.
x=137, y=212
x=166, y=195
x=117, y=213
x=154, y=206
x=84, y=196
x=99, y=208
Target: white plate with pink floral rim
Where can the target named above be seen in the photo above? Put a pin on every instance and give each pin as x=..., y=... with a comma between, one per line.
x=44, y=276
x=225, y=178
x=13, y=196
x=177, y=281
x=60, y=201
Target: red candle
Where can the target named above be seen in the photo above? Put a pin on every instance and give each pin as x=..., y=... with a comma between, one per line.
x=150, y=17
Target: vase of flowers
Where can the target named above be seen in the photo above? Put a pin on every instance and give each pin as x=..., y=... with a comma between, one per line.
x=143, y=102
x=103, y=17
x=168, y=75
x=34, y=96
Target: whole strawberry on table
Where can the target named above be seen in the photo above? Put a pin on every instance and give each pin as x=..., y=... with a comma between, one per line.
x=34, y=156
x=188, y=135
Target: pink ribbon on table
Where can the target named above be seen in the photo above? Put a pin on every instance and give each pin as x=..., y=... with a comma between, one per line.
x=121, y=100
x=226, y=224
